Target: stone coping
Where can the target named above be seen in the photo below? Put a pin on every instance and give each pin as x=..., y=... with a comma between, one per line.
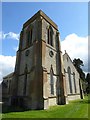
x=37, y=15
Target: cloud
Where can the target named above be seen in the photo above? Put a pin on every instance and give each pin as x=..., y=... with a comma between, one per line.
x=7, y=65
x=76, y=47
x=15, y=48
x=10, y=35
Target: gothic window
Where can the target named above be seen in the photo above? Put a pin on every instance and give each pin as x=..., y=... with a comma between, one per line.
x=25, y=81
x=9, y=86
x=29, y=37
x=74, y=82
x=50, y=35
x=51, y=81
x=69, y=77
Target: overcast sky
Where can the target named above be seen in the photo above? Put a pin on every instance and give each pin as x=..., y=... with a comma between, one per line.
x=72, y=21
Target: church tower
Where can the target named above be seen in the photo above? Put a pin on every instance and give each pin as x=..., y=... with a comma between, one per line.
x=39, y=79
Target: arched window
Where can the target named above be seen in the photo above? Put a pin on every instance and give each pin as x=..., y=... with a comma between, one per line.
x=51, y=81
x=74, y=82
x=50, y=35
x=31, y=31
x=9, y=84
x=29, y=37
x=25, y=81
x=69, y=77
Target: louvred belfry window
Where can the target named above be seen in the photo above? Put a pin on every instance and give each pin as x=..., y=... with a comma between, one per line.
x=29, y=37
x=50, y=36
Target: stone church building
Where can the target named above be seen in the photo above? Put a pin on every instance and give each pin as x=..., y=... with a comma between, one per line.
x=43, y=76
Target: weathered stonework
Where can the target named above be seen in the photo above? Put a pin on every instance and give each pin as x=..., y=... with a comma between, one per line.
x=73, y=77
x=40, y=79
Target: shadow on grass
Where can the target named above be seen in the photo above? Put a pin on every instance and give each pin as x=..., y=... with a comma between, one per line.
x=8, y=109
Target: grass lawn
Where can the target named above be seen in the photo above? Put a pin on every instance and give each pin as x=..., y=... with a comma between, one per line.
x=75, y=109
